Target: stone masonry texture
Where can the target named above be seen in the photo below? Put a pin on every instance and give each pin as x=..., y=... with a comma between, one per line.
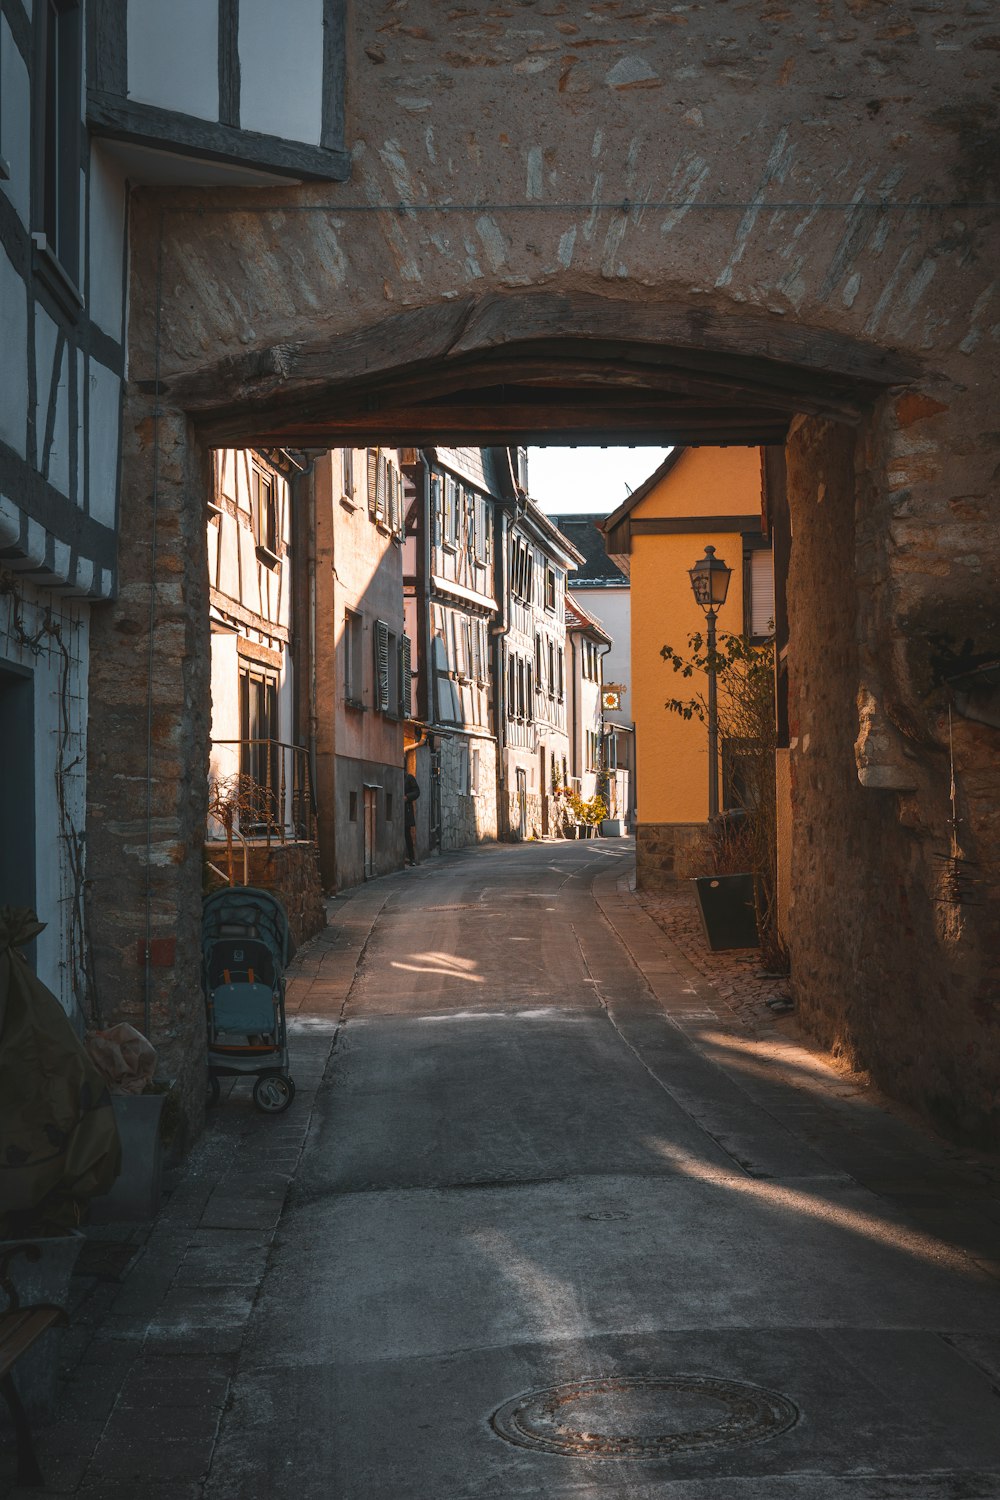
x=801, y=183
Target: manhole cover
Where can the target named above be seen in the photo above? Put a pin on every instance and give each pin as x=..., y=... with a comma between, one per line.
x=643, y=1416
x=604, y=1215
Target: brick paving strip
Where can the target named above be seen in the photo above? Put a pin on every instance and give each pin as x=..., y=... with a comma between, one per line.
x=159, y=1311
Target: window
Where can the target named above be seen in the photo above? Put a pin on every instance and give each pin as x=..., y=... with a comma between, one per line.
x=550, y=588
x=611, y=751
x=452, y=501
x=552, y=669
x=354, y=687
x=562, y=674
x=259, y=749
x=59, y=131
x=530, y=692
x=480, y=529
x=474, y=774
x=347, y=473
x=264, y=514
x=437, y=508
x=758, y=593
x=593, y=750
x=741, y=762
x=381, y=639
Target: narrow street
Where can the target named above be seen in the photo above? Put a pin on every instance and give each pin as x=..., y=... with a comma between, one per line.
x=528, y=1169
x=531, y=1150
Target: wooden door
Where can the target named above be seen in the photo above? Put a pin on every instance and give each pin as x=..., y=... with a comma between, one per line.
x=371, y=829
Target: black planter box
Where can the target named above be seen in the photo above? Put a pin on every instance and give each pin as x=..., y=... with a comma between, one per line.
x=728, y=915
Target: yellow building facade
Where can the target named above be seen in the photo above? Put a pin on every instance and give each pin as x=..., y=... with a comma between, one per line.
x=698, y=497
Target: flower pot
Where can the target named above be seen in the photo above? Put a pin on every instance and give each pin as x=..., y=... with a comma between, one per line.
x=43, y=1280
x=611, y=828
x=728, y=913
x=136, y=1193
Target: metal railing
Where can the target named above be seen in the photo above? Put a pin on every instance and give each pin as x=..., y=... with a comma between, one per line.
x=270, y=797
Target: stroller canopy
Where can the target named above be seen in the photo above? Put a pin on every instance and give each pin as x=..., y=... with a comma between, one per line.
x=244, y=907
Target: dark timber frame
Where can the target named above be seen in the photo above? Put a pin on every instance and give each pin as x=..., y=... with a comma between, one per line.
x=539, y=367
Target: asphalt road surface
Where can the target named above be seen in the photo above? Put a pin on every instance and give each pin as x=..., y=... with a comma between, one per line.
x=559, y=1233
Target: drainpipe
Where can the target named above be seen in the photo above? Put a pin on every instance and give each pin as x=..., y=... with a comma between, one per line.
x=426, y=704
x=498, y=632
x=600, y=689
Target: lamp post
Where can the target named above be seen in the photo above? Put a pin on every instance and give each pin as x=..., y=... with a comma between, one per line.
x=710, y=585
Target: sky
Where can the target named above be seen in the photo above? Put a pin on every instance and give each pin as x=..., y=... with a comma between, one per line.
x=568, y=480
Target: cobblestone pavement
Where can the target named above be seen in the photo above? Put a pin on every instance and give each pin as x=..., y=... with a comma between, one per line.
x=735, y=974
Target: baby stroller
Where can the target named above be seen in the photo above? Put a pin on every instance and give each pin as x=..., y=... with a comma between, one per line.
x=246, y=945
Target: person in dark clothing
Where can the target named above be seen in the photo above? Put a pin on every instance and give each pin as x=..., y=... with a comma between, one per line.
x=411, y=791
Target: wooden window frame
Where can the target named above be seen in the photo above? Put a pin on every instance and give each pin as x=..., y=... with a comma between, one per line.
x=354, y=683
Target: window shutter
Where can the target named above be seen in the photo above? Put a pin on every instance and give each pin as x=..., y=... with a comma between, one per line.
x=762, y=592
x=381, y=474
x=372, y=480
x=405, y=676
x=382, y=666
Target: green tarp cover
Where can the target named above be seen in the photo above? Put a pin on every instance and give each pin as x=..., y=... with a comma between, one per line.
x=59, y=1142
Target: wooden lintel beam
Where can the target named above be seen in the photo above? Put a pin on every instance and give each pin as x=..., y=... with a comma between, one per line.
x=661, y=432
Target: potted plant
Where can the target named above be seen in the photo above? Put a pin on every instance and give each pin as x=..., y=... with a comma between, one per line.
x=726, y=898
x=595, y=811
x=127, y=1061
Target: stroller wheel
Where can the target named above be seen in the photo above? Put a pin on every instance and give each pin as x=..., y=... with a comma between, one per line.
x=214, y=1089
x=273, y=1092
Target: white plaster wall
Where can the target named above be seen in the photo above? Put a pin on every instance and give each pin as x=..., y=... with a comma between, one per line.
x=612, y=607
x=13, y=343
x=281, y=68
x=58, y=465
x=15, y=124
x=57, y=747
x=105, y=393
x=173, y=55
x=106, y=248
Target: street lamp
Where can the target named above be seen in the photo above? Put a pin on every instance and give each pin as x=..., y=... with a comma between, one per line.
x=710, y=584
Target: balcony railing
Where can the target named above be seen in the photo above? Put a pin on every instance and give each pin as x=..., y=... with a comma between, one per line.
x=268, y=795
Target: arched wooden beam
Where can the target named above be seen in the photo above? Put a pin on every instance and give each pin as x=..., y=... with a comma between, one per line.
x=683, y=363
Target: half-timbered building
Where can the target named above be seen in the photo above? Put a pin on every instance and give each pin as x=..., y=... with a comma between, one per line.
x=97, y=99
x=451, y=605
x=531, y=668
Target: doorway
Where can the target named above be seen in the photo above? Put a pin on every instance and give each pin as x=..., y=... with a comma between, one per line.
x=522, y=803
x=370, y=828
x=17, y=788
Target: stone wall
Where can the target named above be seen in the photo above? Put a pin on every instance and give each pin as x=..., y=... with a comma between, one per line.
x=292, y=872
x=148, y=743
x=467, y=818
x=890, y=969
x=665, y=852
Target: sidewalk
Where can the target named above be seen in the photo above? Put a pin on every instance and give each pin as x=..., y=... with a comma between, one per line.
x=159, y=1312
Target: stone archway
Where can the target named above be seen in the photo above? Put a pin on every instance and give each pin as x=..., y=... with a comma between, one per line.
x=869, y=764
x=768, y=219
